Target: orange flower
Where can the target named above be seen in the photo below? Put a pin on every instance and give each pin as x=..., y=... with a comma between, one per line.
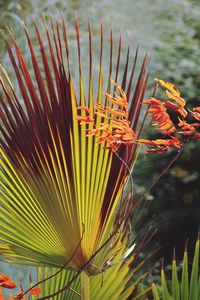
x=157, y=150
x=8, y=284
x=197, y=109
x=115, y=130
x=85, y=108
x=123, y=123
x=196, y=113
x=188, y=129
x=121, y=102
x=35, y=291
x=176, y=98
x=1, y=295
x=3, y=277
x=175, y=107
x=118, y=113
x=85, y=119
x=169, y=86
x=160, y=116
x=161, y=142
x=173, y=94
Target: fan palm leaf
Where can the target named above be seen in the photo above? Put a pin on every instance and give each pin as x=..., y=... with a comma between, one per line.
x=59, y=188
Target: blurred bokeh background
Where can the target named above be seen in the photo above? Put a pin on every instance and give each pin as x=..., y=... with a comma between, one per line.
x=170, y=31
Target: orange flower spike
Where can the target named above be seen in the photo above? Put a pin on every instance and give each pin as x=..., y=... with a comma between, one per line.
x=157, y=150
x=181, y=122
x=116, y=101
x=171, y=105
x=117, y=137
x=4, y=277
x=120, y=98
x=85, y=119
x=170, y=131
x=114, y=147
x=183, y=112
x=103, y=126
x=99, y=107
x=103, y=115
x=169, y=86
x=176, y=142
x=128, y=137
x=197, y=109
x=197, y=136
x=121, y=131
x=153, y=101
x=175, y=107
x=145, y=142
x=165, y=127
x=155, y=110
x=125, y=123
x=8, y=284
x=90, y=132
x=118, y=113
x=196, y=113
x=188, y=129
x=176, y=98
x=129, y=142
x=160, y=116
x=1, y=295
x=84, y=108
x=35, y=291
x=123, y=94
x=161, y=142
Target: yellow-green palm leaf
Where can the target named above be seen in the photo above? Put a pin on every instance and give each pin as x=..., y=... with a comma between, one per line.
x=59, y=188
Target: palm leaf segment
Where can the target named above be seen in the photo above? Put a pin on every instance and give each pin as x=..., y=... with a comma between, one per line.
x=57, y=185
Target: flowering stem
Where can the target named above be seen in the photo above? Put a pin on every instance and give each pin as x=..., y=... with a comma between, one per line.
x=162, y=173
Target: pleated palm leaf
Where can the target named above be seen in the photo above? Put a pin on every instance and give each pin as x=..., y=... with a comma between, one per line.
x=60, y=190
x=187, y=287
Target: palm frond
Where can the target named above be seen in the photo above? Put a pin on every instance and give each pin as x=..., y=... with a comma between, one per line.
x=60, y=190
x=101, y=285
x=53, y=178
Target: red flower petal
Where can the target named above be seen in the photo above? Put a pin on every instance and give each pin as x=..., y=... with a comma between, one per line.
x=9, y=284
x=35, y=291
x=3, y=277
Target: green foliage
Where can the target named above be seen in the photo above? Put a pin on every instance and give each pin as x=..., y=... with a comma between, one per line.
x=185, y=288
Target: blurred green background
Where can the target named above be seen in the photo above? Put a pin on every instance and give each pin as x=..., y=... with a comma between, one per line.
x=170, y=30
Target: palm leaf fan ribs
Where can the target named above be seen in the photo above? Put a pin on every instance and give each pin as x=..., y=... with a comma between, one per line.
x=55, y=181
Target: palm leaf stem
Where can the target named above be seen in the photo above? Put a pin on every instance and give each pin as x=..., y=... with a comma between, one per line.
x=81, y=269
x=85, y=286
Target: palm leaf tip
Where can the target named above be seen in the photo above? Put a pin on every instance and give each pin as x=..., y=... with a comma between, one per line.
x=53, y=178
